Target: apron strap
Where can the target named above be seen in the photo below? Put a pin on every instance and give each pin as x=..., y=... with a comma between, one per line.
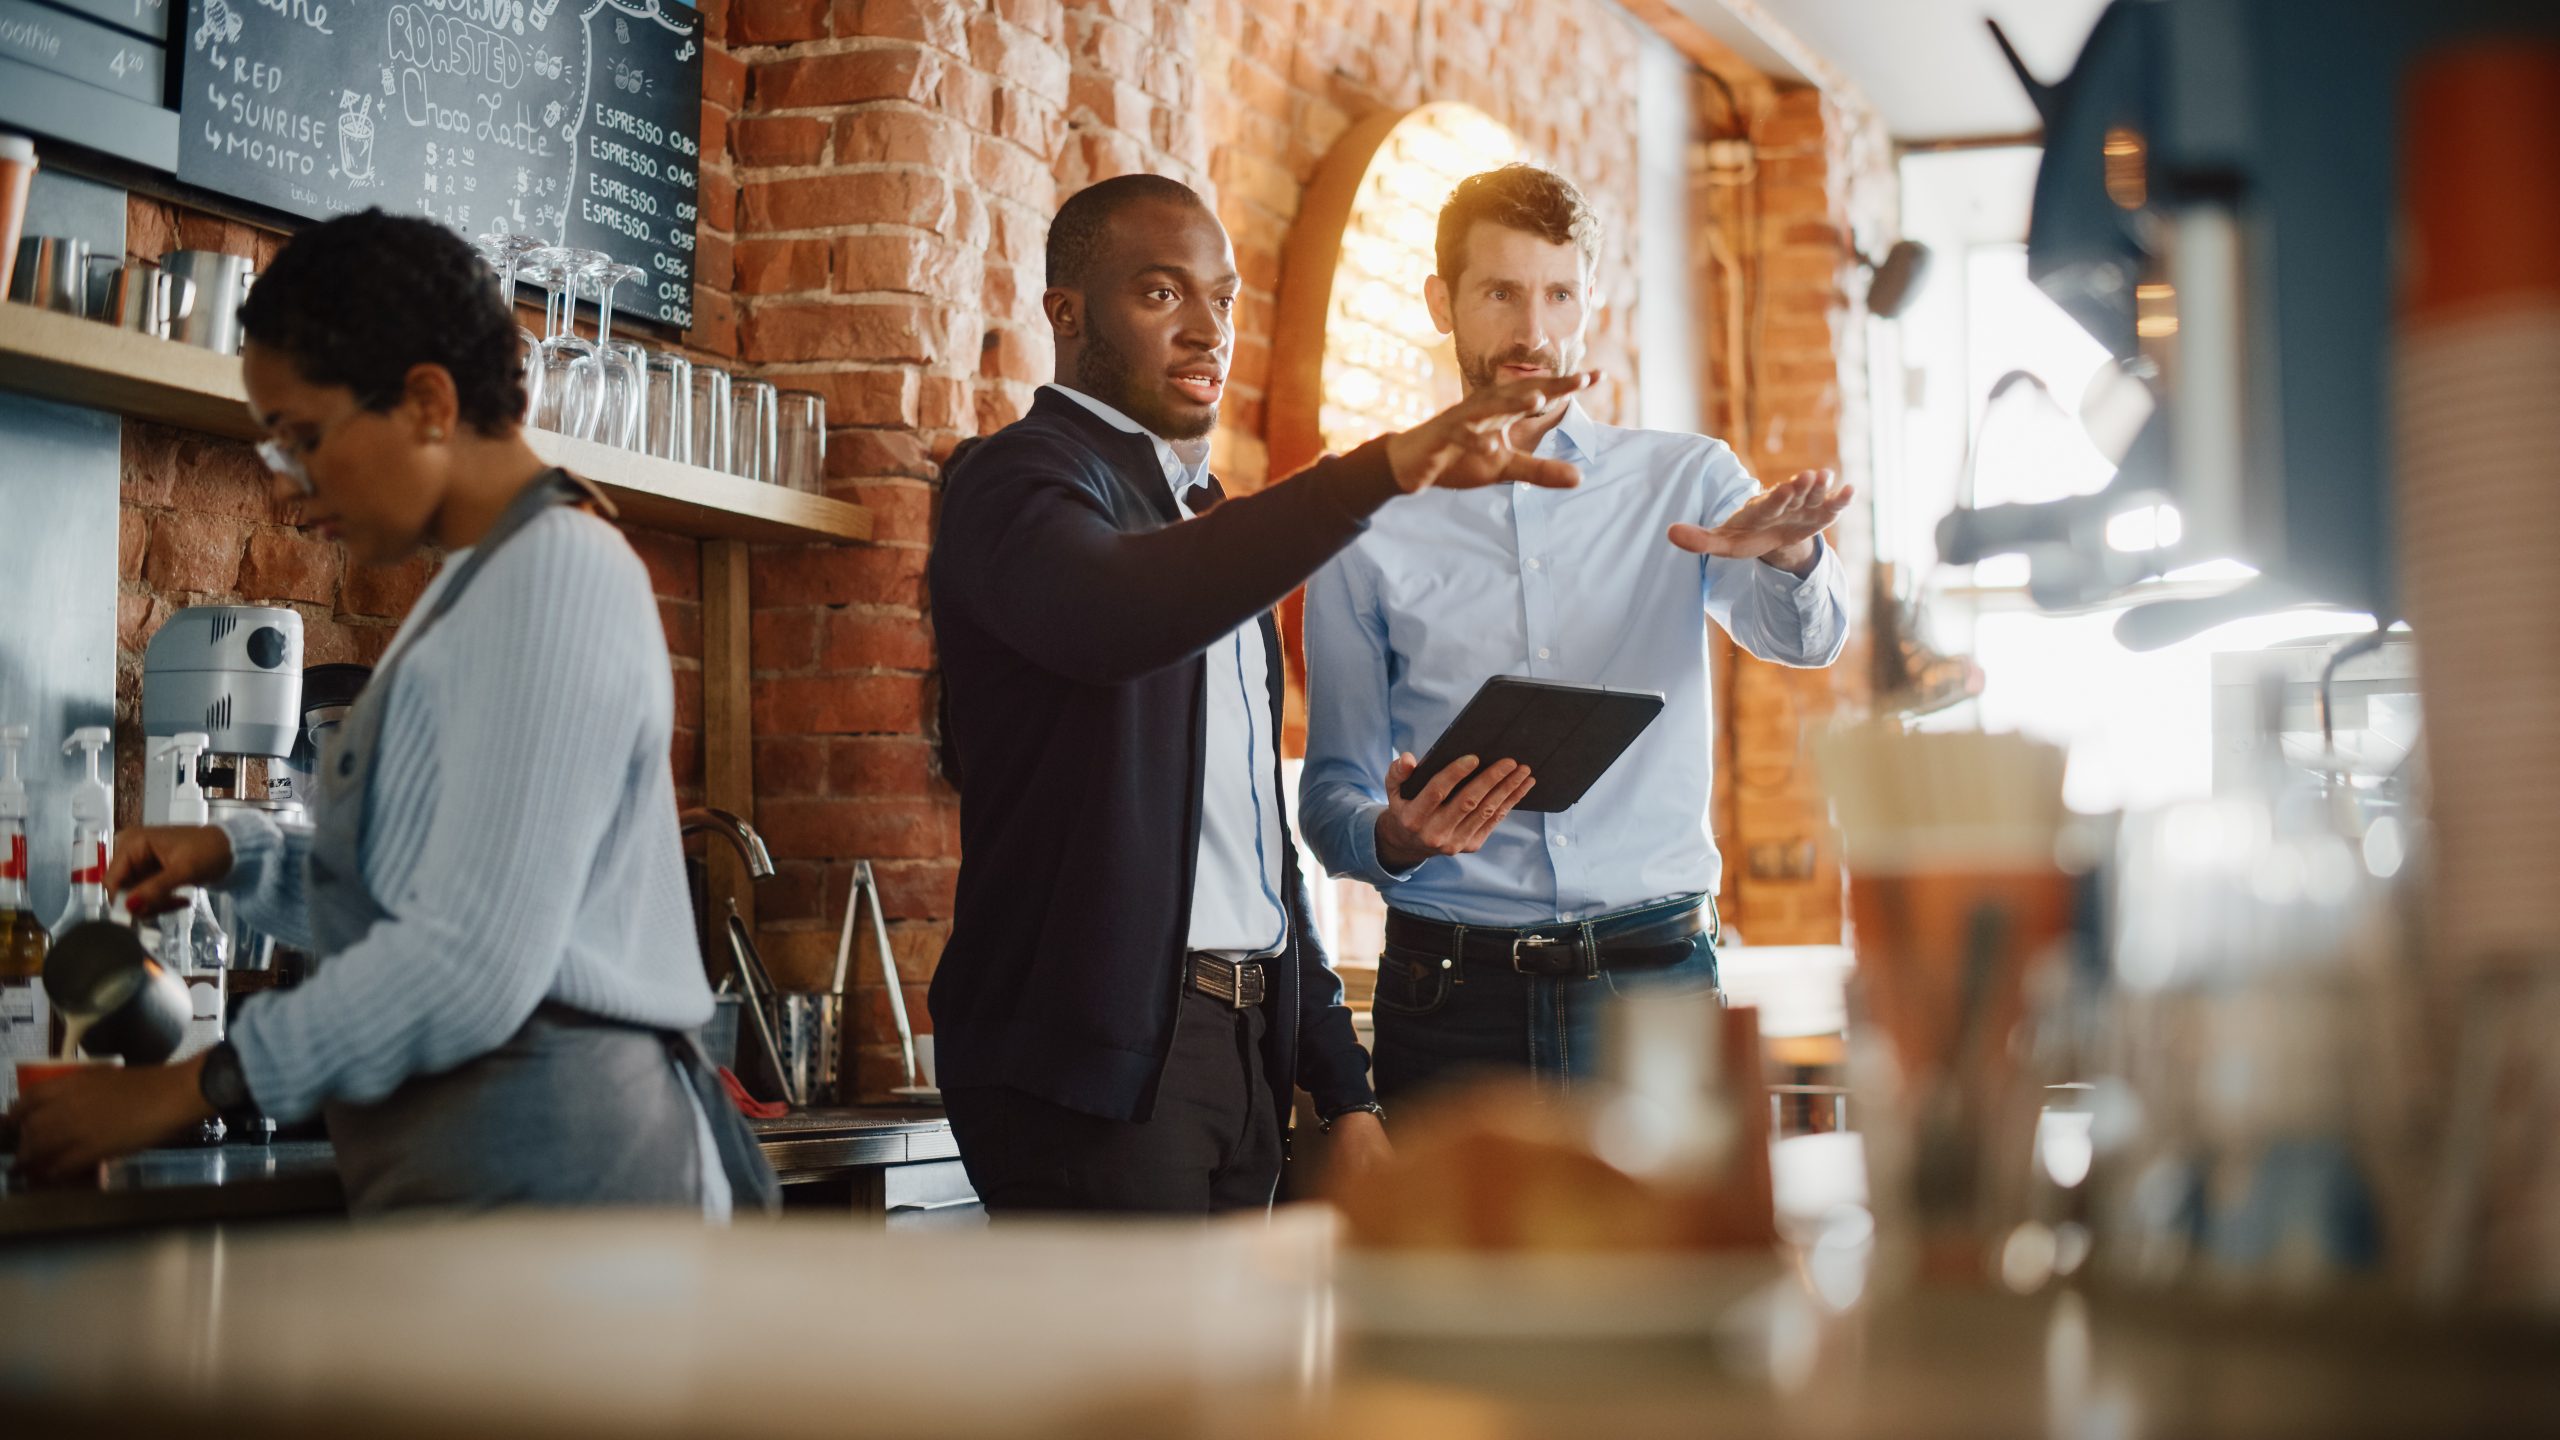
x=751, y=1179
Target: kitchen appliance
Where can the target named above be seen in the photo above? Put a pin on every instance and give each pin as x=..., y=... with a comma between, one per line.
x=233, y=672
x=2216, y=205
x=142, y=297
x=52, y=274
x=221, y=283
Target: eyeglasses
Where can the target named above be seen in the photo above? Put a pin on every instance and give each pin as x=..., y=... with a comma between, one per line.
x=285, y=458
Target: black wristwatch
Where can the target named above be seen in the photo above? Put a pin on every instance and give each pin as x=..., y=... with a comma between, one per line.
x=1325, y=1122
x=226, y=1088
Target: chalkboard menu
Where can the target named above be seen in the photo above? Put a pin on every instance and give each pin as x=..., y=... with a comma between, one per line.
x=572, y=120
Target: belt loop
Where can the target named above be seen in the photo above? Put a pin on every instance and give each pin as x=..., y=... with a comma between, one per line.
x=1590, y=940
x=1457, y=953
x=1715, y=923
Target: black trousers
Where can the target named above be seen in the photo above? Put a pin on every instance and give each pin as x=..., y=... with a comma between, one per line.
x=1212, y=1145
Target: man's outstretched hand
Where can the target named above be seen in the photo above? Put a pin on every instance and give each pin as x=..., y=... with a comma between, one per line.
x=1778, y=526
x=1469, y=443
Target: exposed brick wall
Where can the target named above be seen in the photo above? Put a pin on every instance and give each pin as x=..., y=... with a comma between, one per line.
x=1824, y=183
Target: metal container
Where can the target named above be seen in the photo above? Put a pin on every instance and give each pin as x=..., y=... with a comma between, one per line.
x=52, y=274
x=126, y=1003
x=142, y=297
x=221, y=283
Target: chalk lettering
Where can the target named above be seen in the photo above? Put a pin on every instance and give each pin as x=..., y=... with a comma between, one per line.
x=265, y=117
x=256, y=150
x=31, y=38
x=647, y=132
x=304, y=12
x=613, y=220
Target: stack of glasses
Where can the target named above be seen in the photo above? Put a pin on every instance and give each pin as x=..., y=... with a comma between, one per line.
x=657, y=402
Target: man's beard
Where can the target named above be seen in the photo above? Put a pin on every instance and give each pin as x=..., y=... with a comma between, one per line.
x=1103, y=371
x=1483, y=371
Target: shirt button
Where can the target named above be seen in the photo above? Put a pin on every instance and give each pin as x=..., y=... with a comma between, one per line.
x=1544, y=652
x=1535, y=563
x=1564, y=841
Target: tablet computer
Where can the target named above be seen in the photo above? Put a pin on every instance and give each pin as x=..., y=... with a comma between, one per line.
x=1568, y=735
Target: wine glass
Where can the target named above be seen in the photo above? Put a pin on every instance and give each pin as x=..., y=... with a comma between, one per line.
x=667, y=381
x=621, y=400
x=506, y=254
x=557, y=360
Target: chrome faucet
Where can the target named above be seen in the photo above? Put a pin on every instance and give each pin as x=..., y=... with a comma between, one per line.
x=742, y=837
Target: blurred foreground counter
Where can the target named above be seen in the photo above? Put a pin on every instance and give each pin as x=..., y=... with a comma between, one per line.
x=597, y=1325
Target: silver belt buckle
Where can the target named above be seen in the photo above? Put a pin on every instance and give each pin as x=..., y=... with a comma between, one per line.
x=1237, y=982
x=1530, y=942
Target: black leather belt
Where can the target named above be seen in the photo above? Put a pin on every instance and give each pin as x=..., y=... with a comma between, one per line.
x=1234, y=982
x=1649, y=937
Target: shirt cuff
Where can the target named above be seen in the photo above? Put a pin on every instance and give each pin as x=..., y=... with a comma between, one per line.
x=1364, y=849
x=1791, y=584
x=255, y=842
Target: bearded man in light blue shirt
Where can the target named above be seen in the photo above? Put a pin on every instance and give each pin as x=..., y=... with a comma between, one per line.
x=1506, y=930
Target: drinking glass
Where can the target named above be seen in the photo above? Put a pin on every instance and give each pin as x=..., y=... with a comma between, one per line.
x=711, y=417
x=618, y=417
x=667, y=382
x=558, y=358
x=801, y=451
x=754, y=432
x=506, y=255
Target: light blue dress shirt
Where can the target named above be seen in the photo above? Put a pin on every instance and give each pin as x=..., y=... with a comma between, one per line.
x=1450, y=588
x=1235, y=894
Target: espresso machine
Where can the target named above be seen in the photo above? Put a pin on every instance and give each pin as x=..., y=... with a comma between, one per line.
x=233, y=672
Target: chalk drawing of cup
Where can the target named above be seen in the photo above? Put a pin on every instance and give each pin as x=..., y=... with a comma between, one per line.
x=355, y=145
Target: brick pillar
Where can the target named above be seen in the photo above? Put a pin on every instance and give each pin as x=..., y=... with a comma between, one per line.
x=1822, y=176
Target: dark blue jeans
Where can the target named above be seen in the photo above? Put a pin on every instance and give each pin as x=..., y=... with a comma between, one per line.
x=1439, y=1023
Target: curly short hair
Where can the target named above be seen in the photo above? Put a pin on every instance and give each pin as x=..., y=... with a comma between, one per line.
x=1517, y=197
x=361, y=299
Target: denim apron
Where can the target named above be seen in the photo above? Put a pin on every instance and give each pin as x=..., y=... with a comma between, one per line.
x=573, y=1109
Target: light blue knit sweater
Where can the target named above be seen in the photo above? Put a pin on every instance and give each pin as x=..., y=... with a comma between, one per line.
x=521, y=833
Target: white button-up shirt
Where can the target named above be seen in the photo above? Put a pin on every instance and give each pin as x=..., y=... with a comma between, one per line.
x=1450, y=588
x=1235, y=896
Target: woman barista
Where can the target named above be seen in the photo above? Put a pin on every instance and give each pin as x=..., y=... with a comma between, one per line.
x=493, y=880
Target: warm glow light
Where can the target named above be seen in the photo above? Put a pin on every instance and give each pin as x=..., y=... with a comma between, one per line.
x=1385, y=367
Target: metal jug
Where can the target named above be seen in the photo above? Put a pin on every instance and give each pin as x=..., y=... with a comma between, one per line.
x=221, y=282
x=115, y=995
x=141, y=296
x=52, y=274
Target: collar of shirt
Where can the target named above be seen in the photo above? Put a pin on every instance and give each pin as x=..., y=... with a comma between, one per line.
x=1574, y=436
x=1177, y=474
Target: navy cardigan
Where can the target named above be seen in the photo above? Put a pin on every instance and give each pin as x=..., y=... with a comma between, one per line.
x=1072, y=608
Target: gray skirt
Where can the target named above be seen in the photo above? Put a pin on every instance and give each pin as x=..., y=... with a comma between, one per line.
x=571, y=1111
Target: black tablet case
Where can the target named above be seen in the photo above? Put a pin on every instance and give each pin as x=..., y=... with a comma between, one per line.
x=1568, y=735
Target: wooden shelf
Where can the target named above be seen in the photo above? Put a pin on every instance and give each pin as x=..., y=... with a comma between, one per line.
x=84, y=362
